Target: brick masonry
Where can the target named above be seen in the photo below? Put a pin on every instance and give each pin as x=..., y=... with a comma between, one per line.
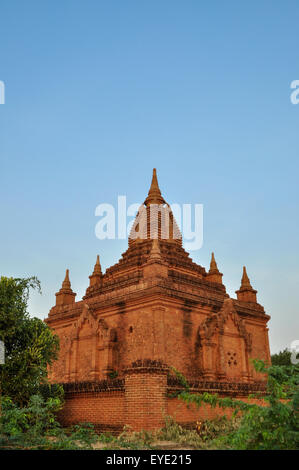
x=154, y=309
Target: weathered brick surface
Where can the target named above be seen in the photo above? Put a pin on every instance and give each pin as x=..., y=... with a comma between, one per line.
x=188, y=415
x=145, y=395
x=154, y=303
x=104, y=408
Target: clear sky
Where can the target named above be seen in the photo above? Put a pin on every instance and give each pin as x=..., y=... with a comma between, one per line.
x=100, y=92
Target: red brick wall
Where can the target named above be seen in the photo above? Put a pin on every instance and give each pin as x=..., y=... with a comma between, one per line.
x=145, y=399
x=183, y=414
x=144, y=405
x=105, y=409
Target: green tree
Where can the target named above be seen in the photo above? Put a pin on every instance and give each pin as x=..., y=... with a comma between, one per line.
x=283, y=358
x=29, y=343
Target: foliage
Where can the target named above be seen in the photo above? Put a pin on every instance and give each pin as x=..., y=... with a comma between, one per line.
x=35, y=427
x=129, y=439
x=48, y=390
x=274, y=426
x=200, y=438
x=172, y=434
x=29, y=343
x=181, y=380
x=113, y=374
x=283, y=358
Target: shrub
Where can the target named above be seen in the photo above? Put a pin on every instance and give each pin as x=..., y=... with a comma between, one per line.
x=274, y=426
x=35, y=427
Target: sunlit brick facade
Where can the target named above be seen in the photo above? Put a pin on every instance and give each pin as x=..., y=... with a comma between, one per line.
x=154, y=309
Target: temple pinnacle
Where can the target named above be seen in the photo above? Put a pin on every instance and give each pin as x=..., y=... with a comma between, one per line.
x=65, y=295
x=245, y=282
x=154, y=194
x=66, y=283
x=213, y=265
x=246, y=293
x=97, y=267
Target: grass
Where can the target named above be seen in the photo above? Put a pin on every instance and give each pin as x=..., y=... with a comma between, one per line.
x=172, y=436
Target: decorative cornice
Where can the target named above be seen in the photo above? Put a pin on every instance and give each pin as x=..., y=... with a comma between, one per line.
x=147, y=366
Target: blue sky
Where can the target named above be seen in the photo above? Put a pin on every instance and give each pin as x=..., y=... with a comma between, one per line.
x=98, y=93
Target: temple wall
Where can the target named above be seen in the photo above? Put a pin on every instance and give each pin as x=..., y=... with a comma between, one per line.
x=142, y=400
x=189, y=415
x=163, y=331
x=260, y=346
x=167, y=333
x=103, y=409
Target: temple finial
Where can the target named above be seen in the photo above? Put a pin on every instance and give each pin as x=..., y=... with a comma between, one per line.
x=66, y=283
x=97, y=267
x=214, y=275
x=95, y=279
x=154, y=194
x=245, y=282
x=154, y=185
x=213, y=265
x=246, y=293
x=65, y=295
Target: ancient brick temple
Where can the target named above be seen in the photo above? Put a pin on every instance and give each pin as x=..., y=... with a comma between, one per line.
x=154, y=309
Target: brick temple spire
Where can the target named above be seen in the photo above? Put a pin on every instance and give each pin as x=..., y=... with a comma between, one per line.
x=245, y=282
x=246, y=292
x=66, y=294
x=66, y=283
x=155, y=218
x=214, y=275
x=96, y=276
x=154, y=195
x=213, y=265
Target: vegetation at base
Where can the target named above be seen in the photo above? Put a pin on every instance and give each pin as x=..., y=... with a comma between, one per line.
x=35, y=427
x=30, y=404
x=171, y=436
x=271, y=427
x=30, y=345
x=202, y=436
x=274, y=427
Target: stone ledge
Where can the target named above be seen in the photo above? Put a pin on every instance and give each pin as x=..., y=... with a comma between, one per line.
x=236, y=388
x=100, y=386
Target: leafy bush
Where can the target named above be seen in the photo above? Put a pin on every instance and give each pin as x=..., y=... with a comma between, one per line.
x=273, y=426
x=172, y=431
x=48, y=390
x=30, y=345
x=200, y=437
x=35, y=427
